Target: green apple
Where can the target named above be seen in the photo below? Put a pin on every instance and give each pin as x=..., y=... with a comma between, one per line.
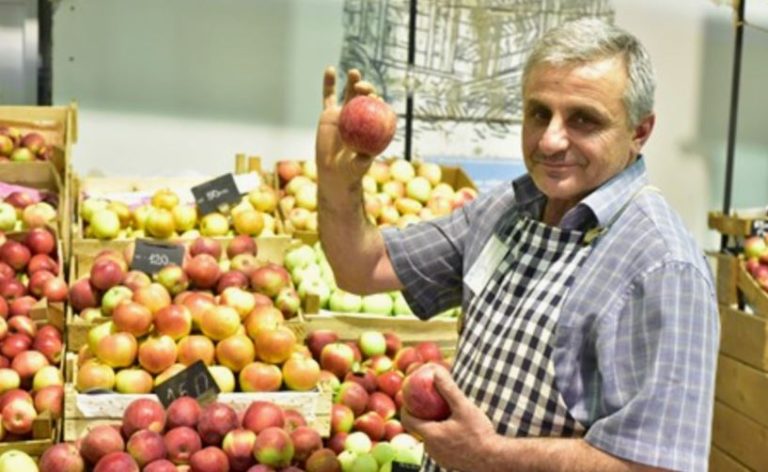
x=378, y=304
x=347, y=459
x=318, y=287
x=365, y=463
x=383, y=452
x=7, y=217
x=105, y=224
x=113, y=297
x=358, y=442
x=345, y=302
x=91, y=206
x=310, y=272
x=372, y=343
x=17, y=461
x=401, y=306
x=299, y=258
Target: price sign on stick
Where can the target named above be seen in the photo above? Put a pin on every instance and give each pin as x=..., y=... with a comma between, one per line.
x=219, y=191
x=195, y=381
x=403, y=467
x=150, y=256
x=759, y=227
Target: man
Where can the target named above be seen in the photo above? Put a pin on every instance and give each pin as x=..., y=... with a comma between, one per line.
x=590, y=323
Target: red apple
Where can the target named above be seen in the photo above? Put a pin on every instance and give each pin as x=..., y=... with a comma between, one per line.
x=143, y=414
x=337, y=358
x=301, y=373
x=317, y=340
x=241, y=244
x=260, y=377
x=336, y=443
x=274, y=447
x=162, y=465
x=405, y=357
x=37, y=281
x=263, y=317
x=232, y=278
x=27, y=363
x=20, y=322
x=205, y=245
x=353, y=395
x=40, y=262
x=382, y=404
x=367, y=125
x=146, y=446
x=293, y=419
x=390, y=382
x=174, y=321
x=115, y=461
x=40, y=241
x=209, y=459
x=429, y=351
x=365, y=377
x=216, y=420
x=51, y=399
x=18, y=416
x=235, y=352
x=323, y=460
x=372, y=424
x=195, y=348
x=238, y=446
x=275, y=346
x=154, y=296
x=181, y=443
x=100, y=441
x=132, y=318
x=55, y=290
x=270, y=279
x=82, y=295
x=392, y=428
x=421, y=398
x=261, y=415
x=15, y=254
x=184, y=411
x=106, y=273
x=12, y=288
x=157, y=353
x=136, y=279
x=14, y=344
x=62, y=457
x=203, y=271
x=305, y=441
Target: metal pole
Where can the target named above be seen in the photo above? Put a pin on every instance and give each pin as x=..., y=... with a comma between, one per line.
x=734, y=115
x=408, y=78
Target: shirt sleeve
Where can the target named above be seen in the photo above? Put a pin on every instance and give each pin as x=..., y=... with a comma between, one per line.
x=660, y=353
x=427, y=258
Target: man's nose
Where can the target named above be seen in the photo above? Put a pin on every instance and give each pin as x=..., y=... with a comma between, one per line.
x=555, y=137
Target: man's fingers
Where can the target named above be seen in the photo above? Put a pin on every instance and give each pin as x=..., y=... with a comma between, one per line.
x=448, y=388
x=364, y=88
x=329, y=87
x=353, y=77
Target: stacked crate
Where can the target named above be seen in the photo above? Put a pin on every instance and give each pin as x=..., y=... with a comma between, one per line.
x=740, y=429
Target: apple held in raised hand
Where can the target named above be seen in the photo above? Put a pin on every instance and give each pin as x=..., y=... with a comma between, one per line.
x=367, y=125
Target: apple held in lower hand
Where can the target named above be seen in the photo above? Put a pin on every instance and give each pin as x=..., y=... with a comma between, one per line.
x=421, y=398
x=367, y=125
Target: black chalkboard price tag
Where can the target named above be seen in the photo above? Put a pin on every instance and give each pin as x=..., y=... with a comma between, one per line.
x=219, y=191
x=759, y=227
x=401, y=467
x=151, y=256
x=195, y=381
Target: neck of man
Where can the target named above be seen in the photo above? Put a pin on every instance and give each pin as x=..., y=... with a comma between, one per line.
x=555, y=210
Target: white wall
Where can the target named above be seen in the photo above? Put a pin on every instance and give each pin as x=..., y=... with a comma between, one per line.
x=266, y=82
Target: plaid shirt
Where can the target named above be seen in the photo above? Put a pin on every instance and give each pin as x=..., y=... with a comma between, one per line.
x=636, y=343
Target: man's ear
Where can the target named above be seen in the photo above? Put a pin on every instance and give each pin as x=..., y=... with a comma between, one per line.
x=642, y=132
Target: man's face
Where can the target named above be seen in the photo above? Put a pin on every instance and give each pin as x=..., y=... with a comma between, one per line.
x=576, y=133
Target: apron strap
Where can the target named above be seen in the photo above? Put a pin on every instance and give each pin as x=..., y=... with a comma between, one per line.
x=593, y=234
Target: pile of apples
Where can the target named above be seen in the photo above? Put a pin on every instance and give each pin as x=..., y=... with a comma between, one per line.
x=228, y=313
x=26, y=208
x=756, y=259
x=164, y=216
x=188, y=436
x=396, y=193
x=312, y=274
x=30, y=380
x=16, y=146
x=373, y=378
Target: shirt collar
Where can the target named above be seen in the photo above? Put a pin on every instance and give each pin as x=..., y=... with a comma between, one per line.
x=598, y=207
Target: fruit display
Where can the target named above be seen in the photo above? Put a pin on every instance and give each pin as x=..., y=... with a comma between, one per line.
x=24, y=208
x=312, y=274
x=374, y=377
x=19, y=146
x=32, y=292
x=396, y=192
x=756, y=259
x=166, y=213
x=230, y=313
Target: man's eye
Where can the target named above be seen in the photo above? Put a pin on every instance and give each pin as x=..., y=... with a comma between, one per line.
x=584, y=121
x=539, y=115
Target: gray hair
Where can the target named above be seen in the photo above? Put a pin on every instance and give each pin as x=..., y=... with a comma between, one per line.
x=590, y=39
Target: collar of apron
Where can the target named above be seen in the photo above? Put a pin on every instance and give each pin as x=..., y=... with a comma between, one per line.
x=595, y=233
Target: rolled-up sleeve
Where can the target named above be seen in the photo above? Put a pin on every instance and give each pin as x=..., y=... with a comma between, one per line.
x=427, y=258
x=659, y=354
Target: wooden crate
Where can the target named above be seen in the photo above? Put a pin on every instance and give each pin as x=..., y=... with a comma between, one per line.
x=727, y=267
x=744, y=337
x=753, y=294
x=743, y=388
x=739, y=224
x=83, y=411
x=117, y=185
x=45, y=434
x=270, y=249
x=721, y=461
x=409, y=329
x=740, y=437
x=452, y=175
x=57, y=124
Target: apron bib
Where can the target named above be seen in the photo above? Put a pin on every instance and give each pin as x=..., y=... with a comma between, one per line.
x=505, y=365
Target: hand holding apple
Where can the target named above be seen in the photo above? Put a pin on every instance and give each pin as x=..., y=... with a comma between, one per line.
x=459, y=441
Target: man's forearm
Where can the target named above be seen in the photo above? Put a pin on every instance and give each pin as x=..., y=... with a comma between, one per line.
x=551, y=455
x=354, y=247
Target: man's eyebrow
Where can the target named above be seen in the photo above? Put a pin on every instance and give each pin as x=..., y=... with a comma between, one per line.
x=582, y=108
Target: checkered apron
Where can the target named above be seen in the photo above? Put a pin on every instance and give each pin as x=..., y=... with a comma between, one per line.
x=504, y=361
